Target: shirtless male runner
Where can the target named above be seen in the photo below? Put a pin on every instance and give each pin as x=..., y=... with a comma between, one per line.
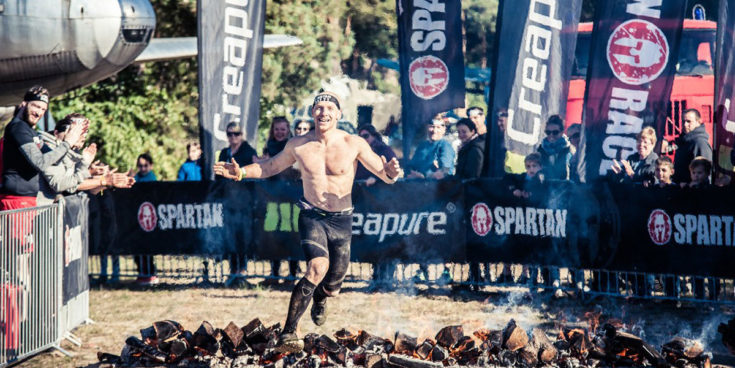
x=327, y=159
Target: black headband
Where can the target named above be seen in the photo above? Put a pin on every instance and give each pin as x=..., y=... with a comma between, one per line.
x=326, y=98
x=29, y=97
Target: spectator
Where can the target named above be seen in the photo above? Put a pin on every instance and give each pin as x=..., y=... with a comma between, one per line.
x=72, y=172
x=433, y=158
x=471, y=155
x=145, y=169
x=375, y=140
x=278, y=136
x=664, y=171
x=191, y=170
x=574, y=133
x=641, y=165
x=301, y=127
x=477, y=116
x=238, y=149
x=699, y=170
x=146, y=266
x=382, y=272
x=244, y=154
x=693, y=143
x=24, y=156
x=556, y=153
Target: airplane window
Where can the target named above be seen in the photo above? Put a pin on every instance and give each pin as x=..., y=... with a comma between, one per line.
x=137, y=35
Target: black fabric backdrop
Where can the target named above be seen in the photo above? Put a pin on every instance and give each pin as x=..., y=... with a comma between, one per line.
x=75, y=277
x=609, y=226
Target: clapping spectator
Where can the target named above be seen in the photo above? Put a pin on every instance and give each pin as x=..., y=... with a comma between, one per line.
x=434, y=157
x=641, y=165
x=191, y=170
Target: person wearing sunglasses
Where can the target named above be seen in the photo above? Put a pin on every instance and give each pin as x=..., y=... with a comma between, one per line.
x=239, y=149
x=555, y=150
x=301, y=127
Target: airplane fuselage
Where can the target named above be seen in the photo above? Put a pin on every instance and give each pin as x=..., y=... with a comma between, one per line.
x=67, y=44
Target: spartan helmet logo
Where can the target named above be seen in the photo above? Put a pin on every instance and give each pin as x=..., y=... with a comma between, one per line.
x=637, y=52
x=482, y=219
x=147, y=218
x=659, y=227
x=428, y=76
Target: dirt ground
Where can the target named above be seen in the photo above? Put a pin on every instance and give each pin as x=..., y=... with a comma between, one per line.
x=122, y=312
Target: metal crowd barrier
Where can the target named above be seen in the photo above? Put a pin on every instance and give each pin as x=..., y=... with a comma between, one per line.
x=30, y=281
x=533, y=278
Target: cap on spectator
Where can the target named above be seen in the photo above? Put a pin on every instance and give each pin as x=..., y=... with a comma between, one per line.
x=474, y=111
x=233, y=127
x=36, y=93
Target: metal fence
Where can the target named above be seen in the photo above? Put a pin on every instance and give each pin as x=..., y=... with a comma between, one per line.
x=30, y=281
x=562, y=282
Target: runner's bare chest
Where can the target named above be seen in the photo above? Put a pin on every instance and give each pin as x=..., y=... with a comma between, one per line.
x=336, y=158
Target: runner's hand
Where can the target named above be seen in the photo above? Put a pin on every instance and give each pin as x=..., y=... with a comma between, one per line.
x=228, y=170
x=392, y=168
x=89, y=152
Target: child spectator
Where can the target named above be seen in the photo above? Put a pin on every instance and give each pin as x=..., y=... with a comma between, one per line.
x=664, y=171
x=523, y=185
x=699, y=171
x=556, y=153
x=145, y=169
x=191, y=170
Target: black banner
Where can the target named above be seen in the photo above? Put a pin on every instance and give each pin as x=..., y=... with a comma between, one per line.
x=724, y=129
x=675, y=231
x=535, y=58
x=633, y=56
x=75, y=276
x=183, y=218
x=545, y=229
x=261, y=218
x=614, y=227
x=432, y=62
x=230, y=58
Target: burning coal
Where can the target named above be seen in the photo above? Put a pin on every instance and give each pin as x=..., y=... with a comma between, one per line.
x=601, y=345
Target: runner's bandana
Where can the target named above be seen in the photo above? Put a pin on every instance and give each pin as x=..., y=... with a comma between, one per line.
x=326, y=98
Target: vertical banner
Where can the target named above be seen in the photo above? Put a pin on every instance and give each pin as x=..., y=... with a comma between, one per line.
x=635, y=44
x=230, y=46
x=724, y=130
x=76, y=247
x=432, y=62
x=535, y=59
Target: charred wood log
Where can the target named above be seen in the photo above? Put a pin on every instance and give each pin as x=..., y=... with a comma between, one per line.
x=424, y=350
x=438, y=354
x=373, y=361
x=449, y=336
x=409, y=362
x=404, y=343
x=233, y=334
x=148, y=351
x=254, y=331
x=514, y=337
x=546, y=350
x=329, y=345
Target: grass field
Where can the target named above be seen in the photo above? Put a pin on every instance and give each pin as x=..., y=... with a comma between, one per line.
x=122, y=312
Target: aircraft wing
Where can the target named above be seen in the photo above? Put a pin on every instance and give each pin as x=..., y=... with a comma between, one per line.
x=160, y=49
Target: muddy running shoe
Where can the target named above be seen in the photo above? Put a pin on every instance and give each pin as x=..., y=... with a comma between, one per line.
x=319, y=312
x=289, y=343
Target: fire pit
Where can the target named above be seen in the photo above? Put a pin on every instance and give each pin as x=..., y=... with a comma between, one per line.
x=600, y=345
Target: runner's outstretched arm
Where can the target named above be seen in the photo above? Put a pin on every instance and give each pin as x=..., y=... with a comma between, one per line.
x=259, y=170
x=388, y=171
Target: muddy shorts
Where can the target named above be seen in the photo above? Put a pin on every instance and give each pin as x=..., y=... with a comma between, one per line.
x=327, y=234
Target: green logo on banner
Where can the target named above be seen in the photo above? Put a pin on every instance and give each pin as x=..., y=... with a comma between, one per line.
x=281, y=217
